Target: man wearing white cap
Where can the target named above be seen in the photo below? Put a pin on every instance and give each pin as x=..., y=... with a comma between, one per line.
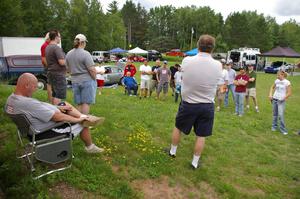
x=83, y=74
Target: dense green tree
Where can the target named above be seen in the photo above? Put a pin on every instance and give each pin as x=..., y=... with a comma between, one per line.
x=11, y=18
x=113, y=7
x=35, y=16
x=289, y=35
x=78, y=19
x=96, y=27
x=58, y=19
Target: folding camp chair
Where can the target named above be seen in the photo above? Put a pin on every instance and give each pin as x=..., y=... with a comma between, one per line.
x=44, y=146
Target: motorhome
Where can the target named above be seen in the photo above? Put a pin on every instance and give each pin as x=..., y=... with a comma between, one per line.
x=243, y=56
x=100, y=56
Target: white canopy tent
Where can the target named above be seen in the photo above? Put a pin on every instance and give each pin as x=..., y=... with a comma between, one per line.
x=137, y=50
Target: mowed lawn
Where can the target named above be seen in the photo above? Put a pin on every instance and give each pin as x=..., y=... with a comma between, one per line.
x=243, y=158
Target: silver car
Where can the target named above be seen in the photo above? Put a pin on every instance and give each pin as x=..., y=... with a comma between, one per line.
x=113, y=74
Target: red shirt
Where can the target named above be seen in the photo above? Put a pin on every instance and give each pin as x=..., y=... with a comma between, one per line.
x=43, y=48
x=130, y=68
x=241, y=88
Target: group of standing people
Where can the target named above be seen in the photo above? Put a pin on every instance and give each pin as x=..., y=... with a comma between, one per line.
x=242, y=86
x=83, y=73
x=153, y=79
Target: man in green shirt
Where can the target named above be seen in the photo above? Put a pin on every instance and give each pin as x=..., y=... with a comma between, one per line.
x=251, y=90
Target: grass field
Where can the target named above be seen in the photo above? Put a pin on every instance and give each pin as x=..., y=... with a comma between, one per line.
x=243, y=158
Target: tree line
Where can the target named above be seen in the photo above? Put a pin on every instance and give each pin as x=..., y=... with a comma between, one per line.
x=161, y=28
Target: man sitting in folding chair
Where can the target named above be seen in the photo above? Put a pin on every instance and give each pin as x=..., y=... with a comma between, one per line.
x=42, y=115
x=130, y=84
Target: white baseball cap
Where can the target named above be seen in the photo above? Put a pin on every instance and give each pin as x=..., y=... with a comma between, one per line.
x=81, y=37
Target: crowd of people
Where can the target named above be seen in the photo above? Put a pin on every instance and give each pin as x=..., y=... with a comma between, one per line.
x=198, y=82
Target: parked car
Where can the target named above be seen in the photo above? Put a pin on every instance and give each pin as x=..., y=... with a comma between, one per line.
x=278, y=65
x=153, y=55
x=175, y=52
x=136, y=58
x=11, y=67
x=113, y=74
x=100, y=56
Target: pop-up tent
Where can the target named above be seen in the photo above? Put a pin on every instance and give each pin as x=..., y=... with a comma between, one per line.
x=281, y=52
x=117, y=50
x=137, y=50
x=192, y=52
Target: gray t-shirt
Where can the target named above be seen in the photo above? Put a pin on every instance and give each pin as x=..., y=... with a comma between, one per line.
x=37, y=112
x=53, y=54
x=78, y=61
x=200, y=75
x=163, y=74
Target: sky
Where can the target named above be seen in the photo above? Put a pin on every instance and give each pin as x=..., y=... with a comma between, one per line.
x=281, y=10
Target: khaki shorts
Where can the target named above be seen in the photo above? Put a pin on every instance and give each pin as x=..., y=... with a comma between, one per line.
x=251, y=92
x=220, y=95
x=145, y=84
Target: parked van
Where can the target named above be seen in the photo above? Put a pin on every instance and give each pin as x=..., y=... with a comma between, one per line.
x=243, y=56
x=100, y=56
x=11, y=67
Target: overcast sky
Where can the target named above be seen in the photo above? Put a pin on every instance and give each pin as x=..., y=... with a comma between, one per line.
x=282, y=10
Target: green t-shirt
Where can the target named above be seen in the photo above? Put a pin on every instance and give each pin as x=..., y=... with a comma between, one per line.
x=252, y=84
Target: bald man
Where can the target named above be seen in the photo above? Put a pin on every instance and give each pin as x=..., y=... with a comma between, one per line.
x=43, y=115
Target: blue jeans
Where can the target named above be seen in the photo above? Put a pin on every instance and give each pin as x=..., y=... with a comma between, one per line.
x=239, y=103
x=278, y=111
x=231, y=88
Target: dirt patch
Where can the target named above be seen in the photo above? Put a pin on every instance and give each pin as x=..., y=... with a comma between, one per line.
x=65, y=191
x=161, y=188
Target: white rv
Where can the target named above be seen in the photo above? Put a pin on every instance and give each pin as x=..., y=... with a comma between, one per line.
x=243, y=56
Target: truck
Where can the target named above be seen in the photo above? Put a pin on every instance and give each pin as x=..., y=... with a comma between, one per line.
x=20, y=55
x=243, y=56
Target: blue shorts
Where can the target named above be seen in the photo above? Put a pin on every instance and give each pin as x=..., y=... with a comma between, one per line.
x=84, y=92
x=200, y=116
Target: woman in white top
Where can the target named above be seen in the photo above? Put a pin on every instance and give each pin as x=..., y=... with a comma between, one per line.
x=279, y=93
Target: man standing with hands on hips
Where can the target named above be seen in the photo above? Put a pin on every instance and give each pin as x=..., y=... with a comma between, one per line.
x=200, y=76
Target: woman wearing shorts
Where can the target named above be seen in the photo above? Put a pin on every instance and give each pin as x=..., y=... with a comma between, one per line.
x=83, y=74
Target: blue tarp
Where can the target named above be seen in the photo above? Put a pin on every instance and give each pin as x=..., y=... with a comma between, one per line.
x=117, y=50
x=192, y=52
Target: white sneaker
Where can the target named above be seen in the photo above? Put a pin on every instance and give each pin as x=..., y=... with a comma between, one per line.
x=248, y=106
x=284, y=133
x=218, y=108
x=93, y=149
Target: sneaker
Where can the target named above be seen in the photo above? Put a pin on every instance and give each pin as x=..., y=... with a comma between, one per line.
x=167, y=151
x=247, y=106
x=93, y=149
x=273, y=129
x=196, y=167
x=256, y=109
x=284, y=133
x=240, y=115
x=92, y=121
x=218, y=108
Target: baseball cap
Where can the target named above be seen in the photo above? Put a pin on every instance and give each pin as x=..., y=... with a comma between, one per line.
x=81, y=37
x=241, y=68
x=223, y=61
x=165, y=62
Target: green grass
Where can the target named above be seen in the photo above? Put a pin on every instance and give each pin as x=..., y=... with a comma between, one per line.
x=243, y=158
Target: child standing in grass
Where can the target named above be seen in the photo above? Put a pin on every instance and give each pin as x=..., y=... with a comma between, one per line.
x=279, y=93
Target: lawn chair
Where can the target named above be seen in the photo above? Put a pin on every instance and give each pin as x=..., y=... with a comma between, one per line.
x=44, y=146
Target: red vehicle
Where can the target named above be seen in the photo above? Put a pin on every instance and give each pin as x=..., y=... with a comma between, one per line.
x=175, y=53
x=136, y=58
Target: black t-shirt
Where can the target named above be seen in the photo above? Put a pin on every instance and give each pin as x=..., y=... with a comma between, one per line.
x=173, y=71
x=154, y=75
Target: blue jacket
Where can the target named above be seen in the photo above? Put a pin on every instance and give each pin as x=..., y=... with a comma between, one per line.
x=129, y=82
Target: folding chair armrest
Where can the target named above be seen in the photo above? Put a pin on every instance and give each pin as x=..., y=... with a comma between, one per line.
x=49, y=127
